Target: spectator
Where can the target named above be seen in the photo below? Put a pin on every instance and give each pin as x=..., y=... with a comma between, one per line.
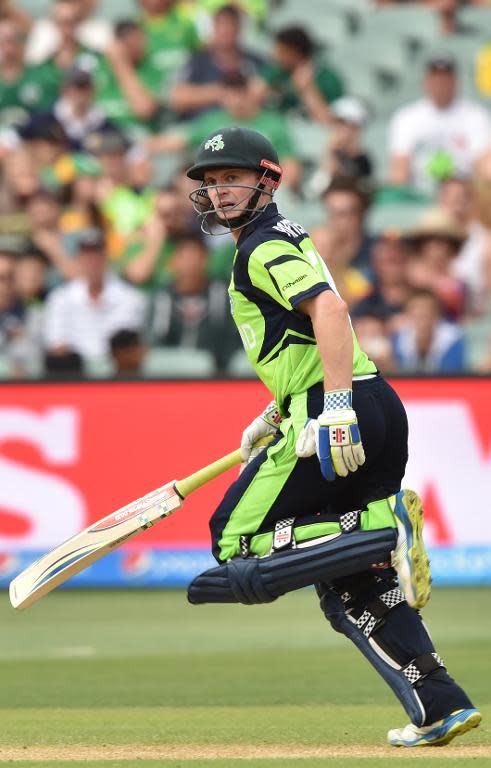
x=456, y=196
x=345, y=155
x=194, y=312
x=45, y=141
x=46, y=35
x=82, y=315
x=438, y=136
x=146, y=260
x=170, y=36
x=12, y=313
x=75, y=110
x=343, y=241
x=44, y=211
x=66, y=17
x=201, y=85
x=372, y=332
x=30, y=285
x=428, y=343
x=127, y=352
x=128, y=86
x=125, y=208
x=298, y=80
x=242, y=112
x=23, y=88
x=436, y=241
x=64, y=364
x=391, y=289
x=447, y=10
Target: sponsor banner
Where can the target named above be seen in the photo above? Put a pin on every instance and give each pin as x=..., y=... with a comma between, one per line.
x=71, y=454
x=451, y=566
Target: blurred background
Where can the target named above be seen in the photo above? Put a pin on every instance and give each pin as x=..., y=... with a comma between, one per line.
x=380, y=112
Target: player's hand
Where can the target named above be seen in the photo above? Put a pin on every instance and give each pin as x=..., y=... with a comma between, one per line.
x=262, y=426
x=334, y=436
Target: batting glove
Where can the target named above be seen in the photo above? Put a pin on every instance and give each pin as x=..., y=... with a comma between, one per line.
x=262, y=426
x=334, y=436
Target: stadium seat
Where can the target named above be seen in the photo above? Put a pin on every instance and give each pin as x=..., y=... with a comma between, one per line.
x=398, y=217
x=113, y=10
x=176, y=362
x=5, y=368
x=477, y=19
x=98, y=368
x=35, y=7
x=413, y=24
x=239, y=366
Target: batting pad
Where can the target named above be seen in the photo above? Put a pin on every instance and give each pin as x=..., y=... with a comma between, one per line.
x=261, y=580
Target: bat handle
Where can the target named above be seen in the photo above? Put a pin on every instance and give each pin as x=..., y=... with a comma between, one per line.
x=197, y=479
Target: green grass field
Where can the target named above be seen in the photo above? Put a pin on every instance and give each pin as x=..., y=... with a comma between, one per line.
x=143, y=679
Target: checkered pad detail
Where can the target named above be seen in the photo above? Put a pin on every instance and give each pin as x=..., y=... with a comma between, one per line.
x=393, y=598
x=367, y=621
x=413, y=674
x=339, y=398
x=349, y=521
x=283, y=536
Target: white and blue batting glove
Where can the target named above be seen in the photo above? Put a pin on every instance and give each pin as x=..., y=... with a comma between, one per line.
x=334, y=436
x=262, y=426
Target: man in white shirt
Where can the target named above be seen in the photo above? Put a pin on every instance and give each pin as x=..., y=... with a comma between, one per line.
x=82, y=315
x=437, y=136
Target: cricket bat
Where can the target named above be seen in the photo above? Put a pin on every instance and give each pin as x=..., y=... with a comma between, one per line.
x=83, y=549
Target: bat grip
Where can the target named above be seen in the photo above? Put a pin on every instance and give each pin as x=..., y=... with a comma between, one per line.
x=202, y=476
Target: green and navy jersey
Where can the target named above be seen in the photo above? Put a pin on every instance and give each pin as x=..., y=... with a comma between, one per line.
x=276, y=267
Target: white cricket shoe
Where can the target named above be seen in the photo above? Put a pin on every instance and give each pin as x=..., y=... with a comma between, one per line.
x=437, y=734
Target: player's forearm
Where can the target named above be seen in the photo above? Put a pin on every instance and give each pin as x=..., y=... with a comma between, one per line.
x=332, y=329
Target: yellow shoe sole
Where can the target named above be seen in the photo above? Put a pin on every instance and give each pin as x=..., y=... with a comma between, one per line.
x=412, y=564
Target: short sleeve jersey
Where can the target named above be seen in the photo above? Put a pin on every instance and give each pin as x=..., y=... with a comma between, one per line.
x=276, y=267
x=35, y=90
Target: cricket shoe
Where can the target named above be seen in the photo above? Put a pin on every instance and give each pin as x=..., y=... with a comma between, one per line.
x=409, y=558
x=438, y=734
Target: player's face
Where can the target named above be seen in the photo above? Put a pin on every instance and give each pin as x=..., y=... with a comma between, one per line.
x=230, y=190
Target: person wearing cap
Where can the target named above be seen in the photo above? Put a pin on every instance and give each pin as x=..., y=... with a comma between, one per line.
x=439, y=135
x=76, y=109
x=83, y=314
x=436, y=241
x=339, y=445
x=345, y=155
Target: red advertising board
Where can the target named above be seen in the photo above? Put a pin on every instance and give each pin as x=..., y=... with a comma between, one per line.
x=72, y=453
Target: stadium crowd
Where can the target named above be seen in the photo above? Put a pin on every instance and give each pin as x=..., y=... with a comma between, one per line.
x=386, y=150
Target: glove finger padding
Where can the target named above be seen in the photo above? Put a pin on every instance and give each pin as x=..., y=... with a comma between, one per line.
x=325, y=454
x=306, y=444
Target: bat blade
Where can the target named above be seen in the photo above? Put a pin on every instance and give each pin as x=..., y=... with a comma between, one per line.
x=83, y=549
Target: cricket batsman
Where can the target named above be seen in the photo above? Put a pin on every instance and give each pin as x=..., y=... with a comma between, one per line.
x=322, y=504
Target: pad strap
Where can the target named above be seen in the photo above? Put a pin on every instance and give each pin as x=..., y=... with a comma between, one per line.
x=422, y=666
x=374, y=614
x=350, y=521
x=283, y=537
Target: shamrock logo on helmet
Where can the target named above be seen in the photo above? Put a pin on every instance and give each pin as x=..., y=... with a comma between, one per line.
x=216, y=143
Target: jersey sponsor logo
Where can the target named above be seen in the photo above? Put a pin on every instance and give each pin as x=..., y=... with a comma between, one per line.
x=247, y=335
x=294, y=282
x=289, y=228
x=215, y=143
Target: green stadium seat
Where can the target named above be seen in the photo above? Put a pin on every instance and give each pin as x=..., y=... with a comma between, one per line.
x=239, y=366
x=5, y=368
x=478, y=341
x=477, y=19
x=413, y=24
x=35, y=7
x=114, y=10
x=98, y=368
x=176, y=362
x=398, y=217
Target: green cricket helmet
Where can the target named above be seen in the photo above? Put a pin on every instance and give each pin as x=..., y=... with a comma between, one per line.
x=234, y=148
